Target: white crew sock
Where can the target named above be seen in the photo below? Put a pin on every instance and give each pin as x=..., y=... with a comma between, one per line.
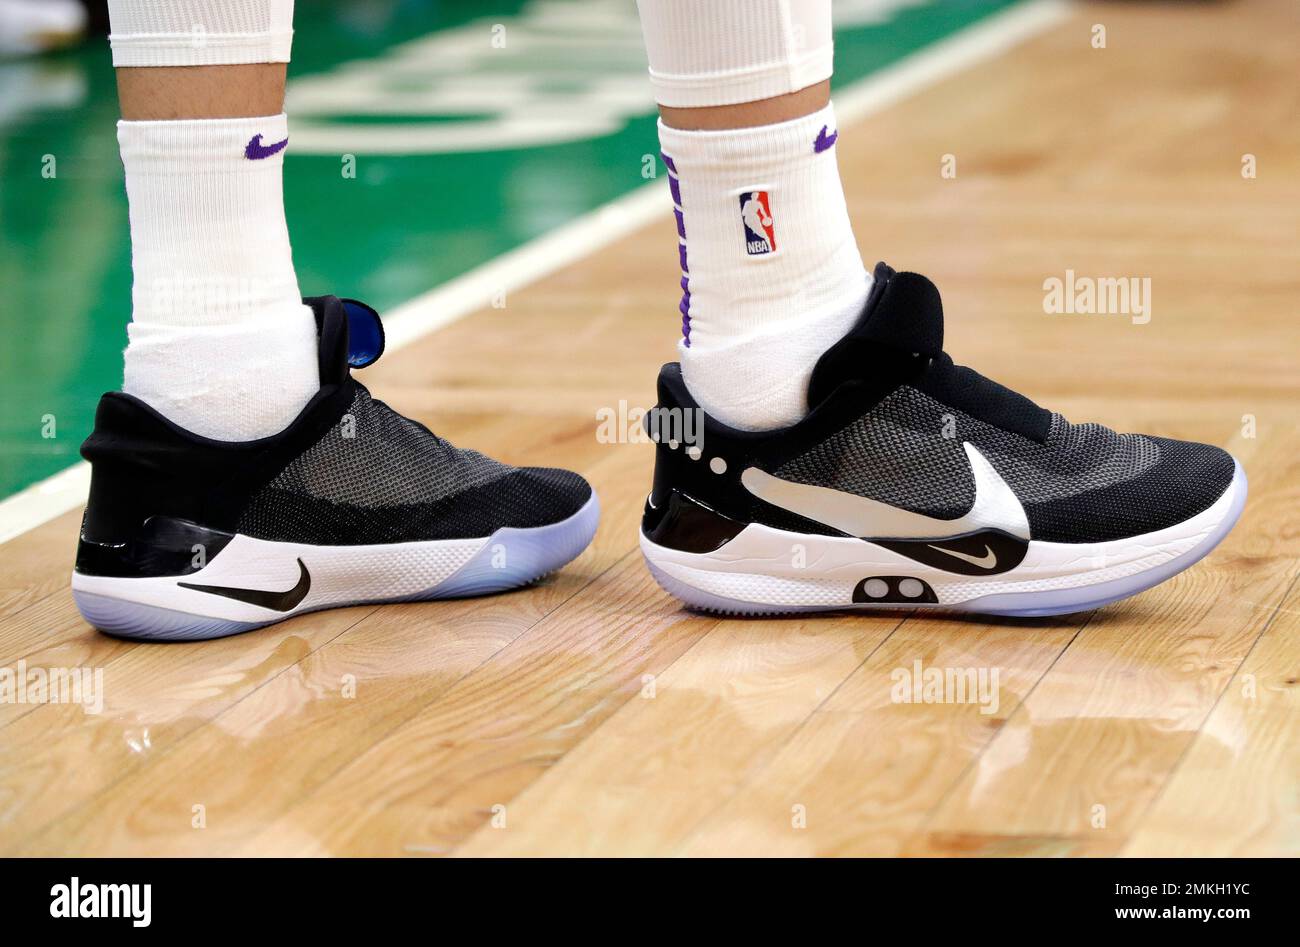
x=220, y=342
x=756, y=316
x=771, y=276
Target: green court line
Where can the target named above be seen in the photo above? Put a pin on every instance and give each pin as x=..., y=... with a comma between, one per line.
x=402, y=225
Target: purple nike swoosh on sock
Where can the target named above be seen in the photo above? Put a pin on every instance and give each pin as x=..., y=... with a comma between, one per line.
x=255, y=151
x=824, y=141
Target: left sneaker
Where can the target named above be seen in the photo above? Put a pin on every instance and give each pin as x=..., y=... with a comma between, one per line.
x=186, y=537
x=916, y=482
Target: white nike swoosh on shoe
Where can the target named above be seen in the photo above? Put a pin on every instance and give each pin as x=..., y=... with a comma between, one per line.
x=987, y=561
x=996, y=507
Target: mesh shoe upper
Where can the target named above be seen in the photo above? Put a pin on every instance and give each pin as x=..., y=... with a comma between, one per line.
x=1083, y=483
x=1077, y=482
x=378, y=477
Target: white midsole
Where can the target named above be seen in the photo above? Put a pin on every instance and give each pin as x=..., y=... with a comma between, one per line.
x=339, y=575
x=766, y=566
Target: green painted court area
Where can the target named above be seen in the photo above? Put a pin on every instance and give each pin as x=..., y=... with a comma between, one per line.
x=426, y=138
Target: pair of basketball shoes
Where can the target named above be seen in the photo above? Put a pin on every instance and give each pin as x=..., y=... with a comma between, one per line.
x=912, y=482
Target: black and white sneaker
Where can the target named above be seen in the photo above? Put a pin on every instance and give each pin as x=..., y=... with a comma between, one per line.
x=916, y=482
x=186, y=537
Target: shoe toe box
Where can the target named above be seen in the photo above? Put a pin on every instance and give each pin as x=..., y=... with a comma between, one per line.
x=1186, y=479
x=539, y=496
x=520, y=498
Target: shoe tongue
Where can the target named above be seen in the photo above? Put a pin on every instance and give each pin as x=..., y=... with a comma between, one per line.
x=350, y=335
x=903, y=316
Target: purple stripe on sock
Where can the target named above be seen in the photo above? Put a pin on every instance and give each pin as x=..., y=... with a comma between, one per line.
x=685, y=308
x=685, y=305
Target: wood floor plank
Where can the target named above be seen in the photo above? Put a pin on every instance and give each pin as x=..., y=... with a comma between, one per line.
x=1236, y=794
x=429, y=785
x=868, y=765
x=642, y=782
x=57, y=756
x=1072, y=773
x=34, y=566
x=297, y=728
x=50, y=633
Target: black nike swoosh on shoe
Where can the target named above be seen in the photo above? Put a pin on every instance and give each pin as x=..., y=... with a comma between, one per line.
x=276, y=601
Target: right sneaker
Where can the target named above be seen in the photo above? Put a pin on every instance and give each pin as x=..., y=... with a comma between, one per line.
x=916, y=482
x=186, y=537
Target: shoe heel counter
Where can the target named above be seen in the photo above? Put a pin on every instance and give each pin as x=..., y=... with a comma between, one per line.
x=128, y=471
x=160, y=546
x=116, y=482
x=676, y=431
x=678, y=513
x=140, y=514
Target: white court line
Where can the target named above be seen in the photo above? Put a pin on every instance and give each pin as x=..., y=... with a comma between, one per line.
x=583, y=236
x=41, y=502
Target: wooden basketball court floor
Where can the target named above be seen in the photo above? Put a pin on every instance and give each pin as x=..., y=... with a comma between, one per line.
x=591, y=715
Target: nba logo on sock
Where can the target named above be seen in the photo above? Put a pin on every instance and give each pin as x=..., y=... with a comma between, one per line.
x=756, y=218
